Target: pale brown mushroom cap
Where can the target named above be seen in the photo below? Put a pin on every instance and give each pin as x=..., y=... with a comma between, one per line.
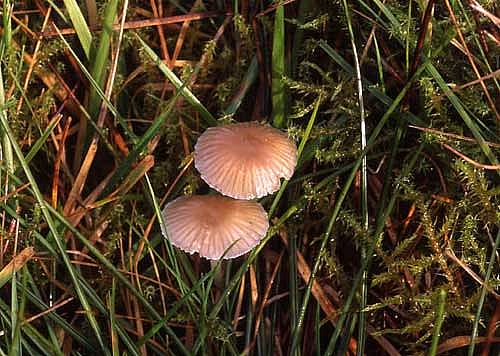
x=210, y=224
x=245, y=160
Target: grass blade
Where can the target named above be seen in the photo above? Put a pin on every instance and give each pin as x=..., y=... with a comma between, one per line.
x=80, y=25
x=62, y=250
x=278, y=69
x=179, y=85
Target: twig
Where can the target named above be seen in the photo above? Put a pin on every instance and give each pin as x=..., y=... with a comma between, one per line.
x=470, y=160
x=146, y=23
x=452, y=135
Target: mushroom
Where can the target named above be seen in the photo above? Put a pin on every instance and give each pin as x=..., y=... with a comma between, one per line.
x=245, y=160
x=214, y=226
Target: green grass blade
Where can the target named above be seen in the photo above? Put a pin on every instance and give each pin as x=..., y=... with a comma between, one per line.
x=300, y=149
x=99, y=91
x=42, y=139
x=80, y=25
x=101, y=56
x=62, y=250
x=455, y=101
x=59, y=321
x=441, y=303
x=364, y=186
x=101, y=258
x=484, y=290
x=278, y=69
x=179, y=85
x=250, y=77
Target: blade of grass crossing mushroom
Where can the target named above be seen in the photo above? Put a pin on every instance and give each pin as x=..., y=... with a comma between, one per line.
x=364, y=185
x=52, y=227
x=242, y=270
x=300, y=149
x=173, y=267
x=170, y=250
x=179, y=85
x=278, y=69
x=80, y=25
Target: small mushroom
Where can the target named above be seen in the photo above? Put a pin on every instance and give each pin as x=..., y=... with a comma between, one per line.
x=210, y=225
x=245, y=160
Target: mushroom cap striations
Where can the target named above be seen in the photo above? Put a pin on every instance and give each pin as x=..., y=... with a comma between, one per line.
x=210, y=225
x=245, y=160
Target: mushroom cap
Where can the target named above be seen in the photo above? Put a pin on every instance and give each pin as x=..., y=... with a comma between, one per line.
x=245, y=160
x=210, y=225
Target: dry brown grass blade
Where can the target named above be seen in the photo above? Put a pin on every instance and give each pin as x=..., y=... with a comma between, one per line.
x=88, y=204
x=458, y=342
x=145, y=236
x=254, y=290
x=134, y=176
x=129, y=182
x=263, y=303
x=57, y=164
x=148, y=23
x=491, y=75
x=470, y=160
x=16, y=264
x=182, y=34
x=472, y=62
x=449, y=252
x=329, y=309
x=34, y=59
x=476, y=6
x=318, y=292
x=161, y=35
x=492, y=328
x=48, y=310
x=426, y=22
x=83, y=173
x=138, y=324
x=451, y=135
x=239, y=303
